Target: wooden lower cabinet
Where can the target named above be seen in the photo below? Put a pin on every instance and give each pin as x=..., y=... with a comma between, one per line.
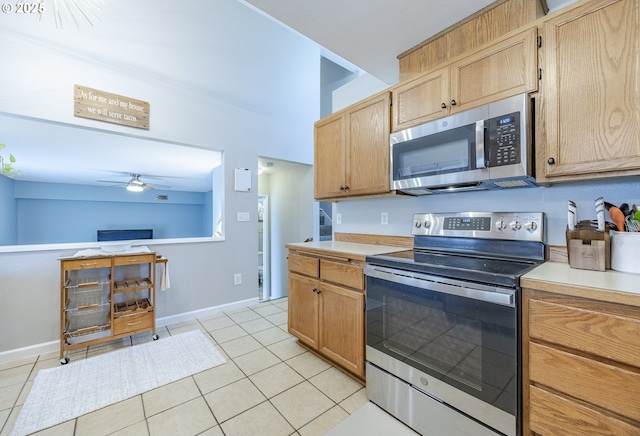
x=326, y=308
x=342, y=327
x=581, y=366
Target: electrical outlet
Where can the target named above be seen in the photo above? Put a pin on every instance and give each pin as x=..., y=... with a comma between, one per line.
x=242, y=216
x=237, y=279
x=384, y=218
x=338, y=218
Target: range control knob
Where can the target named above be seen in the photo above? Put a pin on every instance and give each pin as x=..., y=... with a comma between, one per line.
x=501, y=225
x=427, y=224
x=418, y=224
x=531, y=226
x=515, y=225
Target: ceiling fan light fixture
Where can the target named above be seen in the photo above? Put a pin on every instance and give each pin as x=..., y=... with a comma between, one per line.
x=134, y=187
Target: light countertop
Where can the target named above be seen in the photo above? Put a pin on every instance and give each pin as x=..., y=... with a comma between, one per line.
x=353, y=250
x=609, y=285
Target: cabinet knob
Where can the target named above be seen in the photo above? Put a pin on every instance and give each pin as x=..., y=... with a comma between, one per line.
x=551, y=161
x=315, y=290
x=443, y=106
x=453, y=102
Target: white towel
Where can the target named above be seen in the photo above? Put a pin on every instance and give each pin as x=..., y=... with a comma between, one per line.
x=164, y=277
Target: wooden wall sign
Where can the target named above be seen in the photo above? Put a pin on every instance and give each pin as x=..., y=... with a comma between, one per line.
x=112, y=108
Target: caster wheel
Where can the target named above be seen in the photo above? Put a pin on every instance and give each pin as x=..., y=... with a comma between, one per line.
x=64, y=361
x=155, y=337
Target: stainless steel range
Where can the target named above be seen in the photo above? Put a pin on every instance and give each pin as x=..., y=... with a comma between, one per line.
x=443, y=322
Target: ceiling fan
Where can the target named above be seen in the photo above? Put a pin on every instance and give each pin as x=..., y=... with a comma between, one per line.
x=136, y=185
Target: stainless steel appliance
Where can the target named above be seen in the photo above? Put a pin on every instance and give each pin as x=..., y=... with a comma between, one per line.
x=443, y=322
x=488, y=147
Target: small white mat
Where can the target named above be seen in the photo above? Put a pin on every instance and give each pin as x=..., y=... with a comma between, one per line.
x=69, y=391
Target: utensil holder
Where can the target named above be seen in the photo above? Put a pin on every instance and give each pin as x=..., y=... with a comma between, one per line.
x=587, y=248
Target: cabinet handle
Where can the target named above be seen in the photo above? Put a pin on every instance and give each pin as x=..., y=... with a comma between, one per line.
x=443, y=106
x=88, y=264
x=551, y=161
x=133, y=323
x=315, y=290
x=318, y=291
x=453, y=102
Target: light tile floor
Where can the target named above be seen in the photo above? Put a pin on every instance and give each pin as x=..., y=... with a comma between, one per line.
x=269, y=385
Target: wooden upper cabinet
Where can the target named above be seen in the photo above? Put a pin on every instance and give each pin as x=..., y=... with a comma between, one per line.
x=501, y=70
x=420, y=100
x=368, y=128
x=352, y=150
x=478, y=30
x=590, y=95
x=329, y=157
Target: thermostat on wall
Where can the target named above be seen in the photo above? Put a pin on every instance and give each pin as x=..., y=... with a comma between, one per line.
x=242, y=179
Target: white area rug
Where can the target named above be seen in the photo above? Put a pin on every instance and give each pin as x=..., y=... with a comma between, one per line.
x=72, y=390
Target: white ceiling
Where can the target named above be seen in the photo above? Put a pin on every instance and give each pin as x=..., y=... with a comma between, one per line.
x=370, y=34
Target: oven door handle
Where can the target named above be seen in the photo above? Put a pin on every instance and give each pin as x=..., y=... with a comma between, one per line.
x=506, y=298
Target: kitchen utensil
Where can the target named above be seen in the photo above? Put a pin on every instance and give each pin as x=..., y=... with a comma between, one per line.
x=618, y=218
x=600, y=213
x=572, y=213
x=624, y=207
x=632, y=225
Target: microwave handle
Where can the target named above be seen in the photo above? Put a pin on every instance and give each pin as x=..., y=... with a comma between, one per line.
x=480, y=159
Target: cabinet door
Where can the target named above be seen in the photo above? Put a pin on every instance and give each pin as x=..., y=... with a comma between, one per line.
x=590, y=92
x=421, y=100
x=502, y=70
x=329, y=157
x=303, y=309
x=342, y=327
x=367, y=164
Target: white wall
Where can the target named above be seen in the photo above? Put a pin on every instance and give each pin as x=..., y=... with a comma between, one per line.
x=363, y=216
x=216, y=74
x=358, y=89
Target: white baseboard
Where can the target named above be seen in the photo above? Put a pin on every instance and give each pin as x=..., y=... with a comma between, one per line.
x=54, y=346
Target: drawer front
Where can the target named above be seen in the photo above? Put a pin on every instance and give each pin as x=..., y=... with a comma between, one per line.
x=305, y=265
x=70, y=265
x=615, y=337
x=552, y=414
x=610, y=387
x=133, y=260
x=342, y=274
x=132, y=323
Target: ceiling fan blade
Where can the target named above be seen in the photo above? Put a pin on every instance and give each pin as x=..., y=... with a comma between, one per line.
x=156, y=186
x=112, y=181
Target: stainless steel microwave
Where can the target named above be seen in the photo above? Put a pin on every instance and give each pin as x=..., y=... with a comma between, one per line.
x=487, y=147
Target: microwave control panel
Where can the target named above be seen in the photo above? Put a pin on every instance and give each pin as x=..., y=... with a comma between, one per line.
x=504, y=140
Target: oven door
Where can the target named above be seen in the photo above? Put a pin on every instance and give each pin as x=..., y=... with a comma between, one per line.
x=457, y=342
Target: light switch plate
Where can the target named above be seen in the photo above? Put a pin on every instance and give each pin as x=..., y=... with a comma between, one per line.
x=243, y=216
x=338, y=218
x=384, y=218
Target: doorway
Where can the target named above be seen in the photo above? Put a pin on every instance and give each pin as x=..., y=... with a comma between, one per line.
x=264, y=282
x=289, y=215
